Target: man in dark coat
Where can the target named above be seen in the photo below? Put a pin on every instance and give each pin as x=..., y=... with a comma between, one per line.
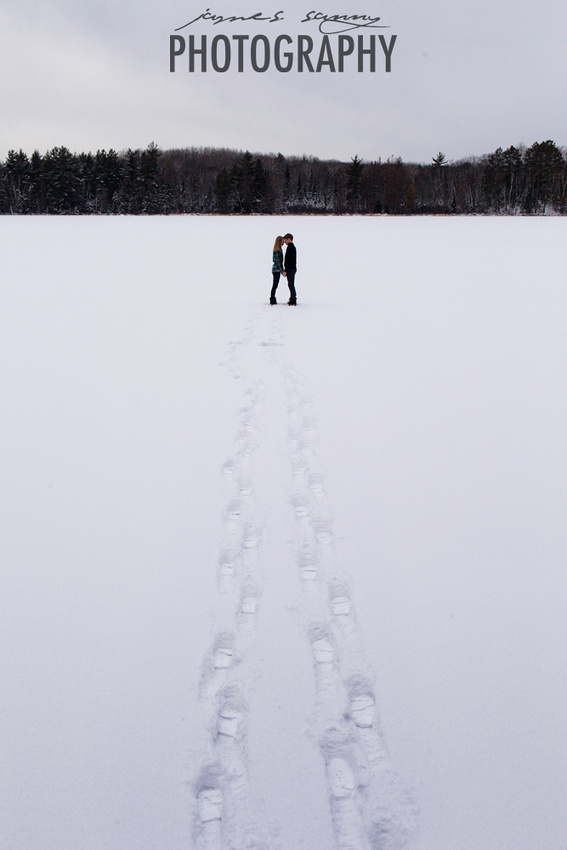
x=290, y=267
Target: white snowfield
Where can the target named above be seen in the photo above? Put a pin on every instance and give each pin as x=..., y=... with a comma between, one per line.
x=283, y=578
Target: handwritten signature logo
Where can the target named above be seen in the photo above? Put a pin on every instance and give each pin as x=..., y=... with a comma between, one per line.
x=326, y=24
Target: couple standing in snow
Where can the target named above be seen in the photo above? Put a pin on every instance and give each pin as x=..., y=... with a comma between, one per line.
x=287, y=267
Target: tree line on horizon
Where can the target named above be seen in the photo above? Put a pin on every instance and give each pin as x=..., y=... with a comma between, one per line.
x=516, y=181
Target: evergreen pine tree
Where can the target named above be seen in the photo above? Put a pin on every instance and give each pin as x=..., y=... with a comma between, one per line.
x=354, y=184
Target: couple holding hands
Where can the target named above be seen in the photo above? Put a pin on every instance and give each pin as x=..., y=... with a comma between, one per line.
x=287, y=267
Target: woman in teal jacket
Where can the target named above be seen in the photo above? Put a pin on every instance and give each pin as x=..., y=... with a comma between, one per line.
x=277, y=267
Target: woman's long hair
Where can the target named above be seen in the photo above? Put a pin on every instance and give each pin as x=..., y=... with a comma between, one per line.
x=278, y=243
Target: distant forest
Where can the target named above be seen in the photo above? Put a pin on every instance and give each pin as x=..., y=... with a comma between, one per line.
x=516, y=181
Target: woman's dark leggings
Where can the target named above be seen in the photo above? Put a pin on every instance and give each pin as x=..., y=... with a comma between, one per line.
x=276, y=276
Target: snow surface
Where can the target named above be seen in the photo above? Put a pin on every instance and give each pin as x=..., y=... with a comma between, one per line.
x=282, y=577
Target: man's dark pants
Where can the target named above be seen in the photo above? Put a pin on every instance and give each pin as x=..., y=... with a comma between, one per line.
x=291, y=283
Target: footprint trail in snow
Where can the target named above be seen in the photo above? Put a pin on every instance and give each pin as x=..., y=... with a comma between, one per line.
x=368, y=805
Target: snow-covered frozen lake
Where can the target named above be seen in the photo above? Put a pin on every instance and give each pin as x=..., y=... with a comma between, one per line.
x=283, y=578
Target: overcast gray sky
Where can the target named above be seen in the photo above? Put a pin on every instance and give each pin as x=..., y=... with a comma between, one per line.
x=466, y=78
